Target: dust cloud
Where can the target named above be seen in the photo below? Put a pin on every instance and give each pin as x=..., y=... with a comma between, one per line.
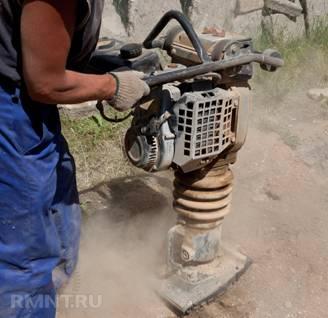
x=123, y=248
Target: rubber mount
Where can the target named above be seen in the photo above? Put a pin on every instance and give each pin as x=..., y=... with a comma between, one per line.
x=131, y=50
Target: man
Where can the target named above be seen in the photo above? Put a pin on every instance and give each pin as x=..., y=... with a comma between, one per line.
x=44, y=45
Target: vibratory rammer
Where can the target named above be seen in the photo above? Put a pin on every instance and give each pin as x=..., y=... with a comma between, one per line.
x=194, y=122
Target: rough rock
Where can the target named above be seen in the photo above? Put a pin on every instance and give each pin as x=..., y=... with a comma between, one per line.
x=112, y=25
x=249, y=24
x=135, y=18
x=208, y=13
x=247, y=6
x=282, y=25
x=318, y=94
x=79, y=110
x=144, y=14
x=285, y=7
x=317, y=8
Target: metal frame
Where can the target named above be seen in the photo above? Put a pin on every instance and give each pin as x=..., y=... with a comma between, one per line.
x=207, y=65
x=186, y=25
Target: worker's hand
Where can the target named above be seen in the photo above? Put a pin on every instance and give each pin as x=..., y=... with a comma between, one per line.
x=130, y=89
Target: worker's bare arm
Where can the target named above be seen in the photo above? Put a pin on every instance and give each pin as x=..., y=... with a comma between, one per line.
x=47, y=27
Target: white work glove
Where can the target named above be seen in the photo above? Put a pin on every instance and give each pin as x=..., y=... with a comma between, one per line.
x=130, y=89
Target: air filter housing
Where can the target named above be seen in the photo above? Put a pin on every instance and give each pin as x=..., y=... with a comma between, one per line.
x=205, y=126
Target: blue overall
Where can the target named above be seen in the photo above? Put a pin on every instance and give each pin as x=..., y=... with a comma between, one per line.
x=39, y=207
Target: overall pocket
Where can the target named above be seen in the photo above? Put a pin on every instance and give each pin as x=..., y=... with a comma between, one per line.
x=35, y=126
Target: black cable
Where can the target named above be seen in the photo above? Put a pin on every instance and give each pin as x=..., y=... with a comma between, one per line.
x=101, y=109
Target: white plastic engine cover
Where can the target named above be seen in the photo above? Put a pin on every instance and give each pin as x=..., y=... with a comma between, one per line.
x=206, y=123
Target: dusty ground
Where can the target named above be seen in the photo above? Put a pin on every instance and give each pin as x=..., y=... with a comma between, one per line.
x=279, y=218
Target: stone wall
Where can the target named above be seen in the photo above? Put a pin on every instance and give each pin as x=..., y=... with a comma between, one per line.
x=135, y=18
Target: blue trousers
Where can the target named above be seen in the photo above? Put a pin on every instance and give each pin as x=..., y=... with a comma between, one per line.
x=39, y=207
